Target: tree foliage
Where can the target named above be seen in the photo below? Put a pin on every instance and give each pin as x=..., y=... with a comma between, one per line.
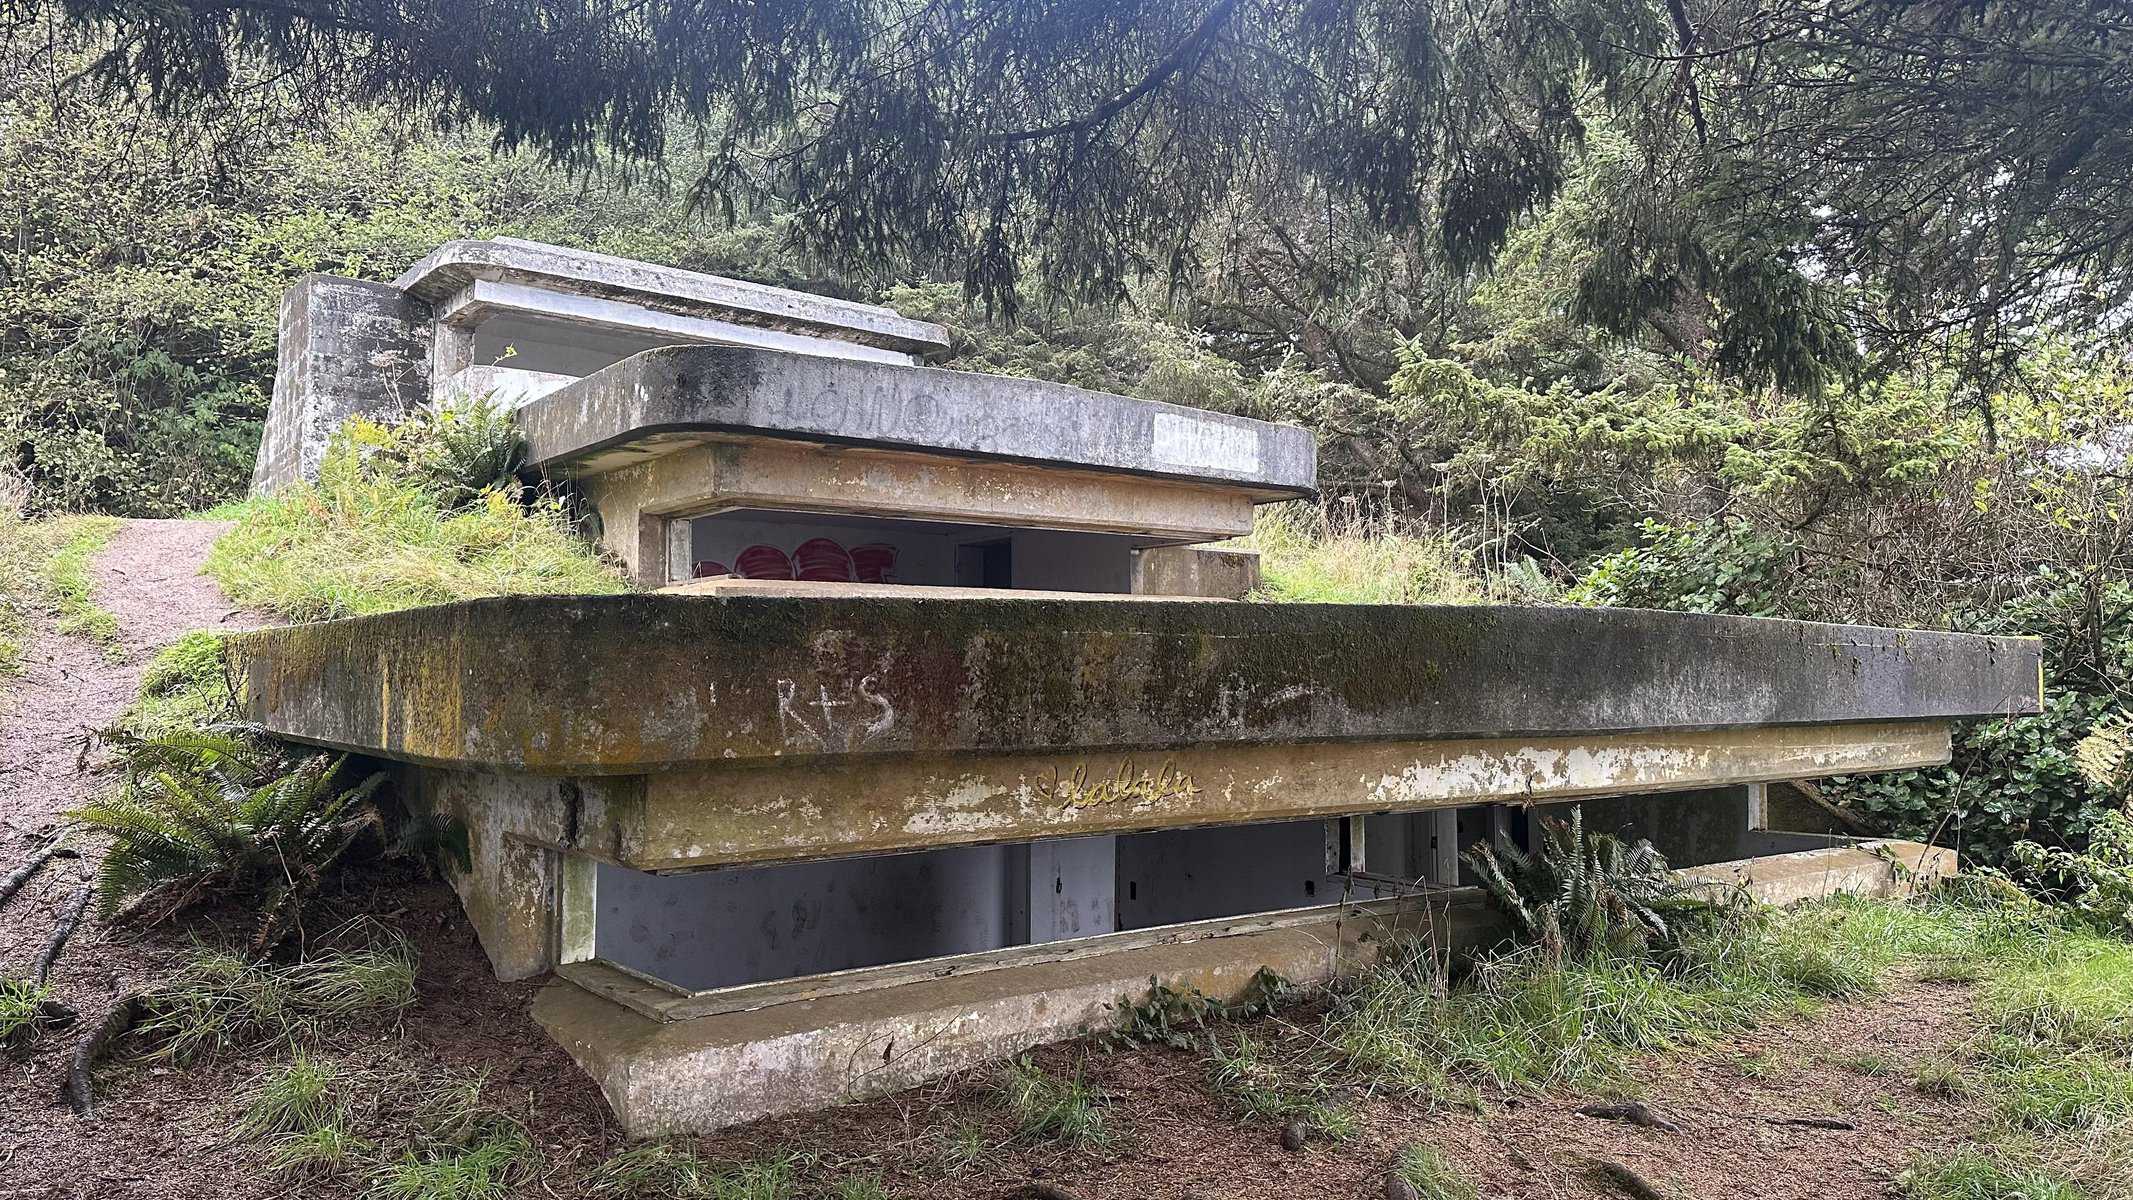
x=1800, y=182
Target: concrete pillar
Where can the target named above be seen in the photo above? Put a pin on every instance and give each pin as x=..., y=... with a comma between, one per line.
x=1195, y=571
x=346, y=347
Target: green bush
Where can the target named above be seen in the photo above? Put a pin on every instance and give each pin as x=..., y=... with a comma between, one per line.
x=2018, y=778
x=2011, y=779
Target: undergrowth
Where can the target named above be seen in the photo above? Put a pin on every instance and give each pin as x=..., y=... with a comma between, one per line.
x=1058, y=1110
x=1425, y=1169
x=383, y=530
x=44, y=567
x=183, y=688
x=219, y=1002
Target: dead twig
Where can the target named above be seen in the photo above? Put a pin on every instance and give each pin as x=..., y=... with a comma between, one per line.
x=20, y=875
x=1810, y=1122
x=79, y=1089
x=1633, y=1111
x=61, y=932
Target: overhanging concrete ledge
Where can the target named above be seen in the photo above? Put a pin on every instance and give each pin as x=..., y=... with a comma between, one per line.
x=624, y=685
x=663, y=400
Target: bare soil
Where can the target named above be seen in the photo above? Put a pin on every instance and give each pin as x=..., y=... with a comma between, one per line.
x=167, y=1133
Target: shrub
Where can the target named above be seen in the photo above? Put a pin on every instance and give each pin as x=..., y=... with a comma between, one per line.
x=1581, y=895
x=212, y=816
x=457, y=449
x=2097, y=882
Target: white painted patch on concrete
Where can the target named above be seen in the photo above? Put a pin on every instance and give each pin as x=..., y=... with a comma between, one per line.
x=1182, y=441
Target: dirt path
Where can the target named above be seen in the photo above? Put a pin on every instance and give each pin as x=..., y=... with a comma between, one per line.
x=148, y=578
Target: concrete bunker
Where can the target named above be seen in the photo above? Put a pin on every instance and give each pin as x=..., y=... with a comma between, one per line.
x=938, y=727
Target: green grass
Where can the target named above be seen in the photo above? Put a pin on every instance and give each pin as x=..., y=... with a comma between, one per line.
x=219, y=1002
x=67, y=581
x=19, y=1007
x=1054, y=1109
x=44, y=566
x=1259, y=1088
x=356, y=542
x=1522, y=1023
x=1980, y=1175
x=1302, y=563
x=1431, y=1174
x=659, y=1169
x=183, y=688
x=297, y=1097
x=485, y=1167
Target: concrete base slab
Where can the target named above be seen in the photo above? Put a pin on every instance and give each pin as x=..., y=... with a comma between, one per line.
x=706, y=1073
x=1887, y=869
x=711, y=1072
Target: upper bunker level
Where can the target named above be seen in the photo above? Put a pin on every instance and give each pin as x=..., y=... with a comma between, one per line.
x=712, y=427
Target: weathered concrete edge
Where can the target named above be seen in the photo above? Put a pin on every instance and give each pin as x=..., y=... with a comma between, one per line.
x=455, y=263
x=928, y=410
x=712, y=1072
x=647, y=682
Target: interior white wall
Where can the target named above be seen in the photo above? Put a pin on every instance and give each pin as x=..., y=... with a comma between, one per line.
x=1042, y=559
x=719, y=928
x=922, y=556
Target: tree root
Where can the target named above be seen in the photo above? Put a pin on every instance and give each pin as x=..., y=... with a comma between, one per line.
x=61, y=932
x=56, y=848
x=79, y=1090
x=1810, y=1122
x=1633, y=1111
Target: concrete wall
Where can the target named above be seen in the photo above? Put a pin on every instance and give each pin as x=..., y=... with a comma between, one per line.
x=720, y=928
x=1176, y=875
x=1060, y=561
x=344, y=347
x=1195, y=571
x=1690, y=828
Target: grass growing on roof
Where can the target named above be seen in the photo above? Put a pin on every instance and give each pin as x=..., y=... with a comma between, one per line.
x=375, y=535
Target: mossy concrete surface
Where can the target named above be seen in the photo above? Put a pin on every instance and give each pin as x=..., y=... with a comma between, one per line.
x=589, y=685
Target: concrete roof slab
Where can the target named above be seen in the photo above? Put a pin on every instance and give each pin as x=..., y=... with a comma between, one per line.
x=587, y=685
x=652, y=403
x=451, y=267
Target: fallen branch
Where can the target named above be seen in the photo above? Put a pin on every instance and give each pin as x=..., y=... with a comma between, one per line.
x=79, y=1090
x=1609, y=1171
x=1810, y=1122
x=61, y=932
x=1632, y=1111
x=21, y=875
